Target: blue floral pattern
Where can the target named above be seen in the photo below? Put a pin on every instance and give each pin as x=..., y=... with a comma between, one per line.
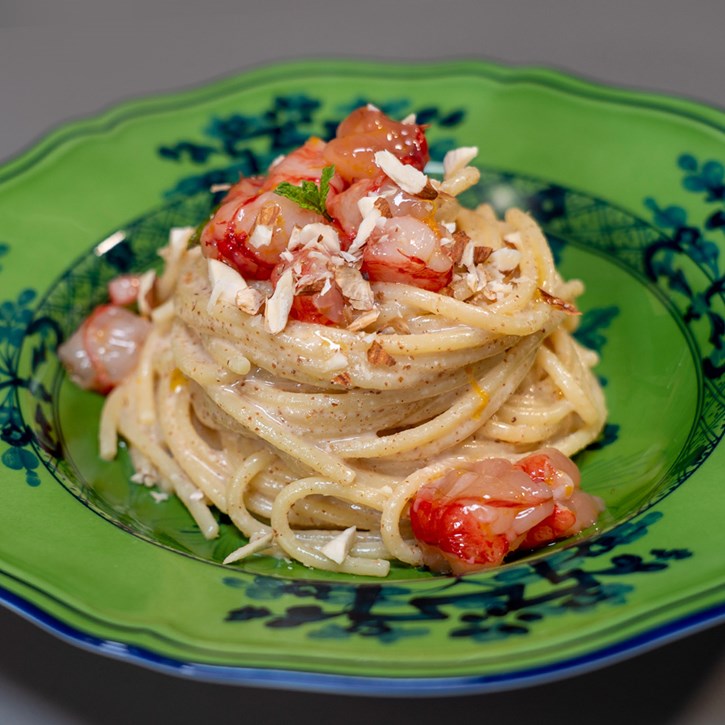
x=246, y=144
x=510, y=602
x=16, y=324
x=507, y=603
x=688, y=240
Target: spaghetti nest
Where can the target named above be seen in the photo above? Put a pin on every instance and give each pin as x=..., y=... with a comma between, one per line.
x=300, y=434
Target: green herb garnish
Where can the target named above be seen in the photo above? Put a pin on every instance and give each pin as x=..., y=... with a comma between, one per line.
x=309, y=195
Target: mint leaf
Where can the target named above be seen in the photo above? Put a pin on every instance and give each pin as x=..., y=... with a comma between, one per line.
x=327, y=173
x=309, y=195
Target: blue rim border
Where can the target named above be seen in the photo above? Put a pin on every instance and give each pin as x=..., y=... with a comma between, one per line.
x=305, y=681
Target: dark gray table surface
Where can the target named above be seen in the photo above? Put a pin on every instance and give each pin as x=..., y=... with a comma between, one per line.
x=72, y=58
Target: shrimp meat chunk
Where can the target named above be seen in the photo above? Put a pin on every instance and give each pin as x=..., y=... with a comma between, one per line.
x=475, y=514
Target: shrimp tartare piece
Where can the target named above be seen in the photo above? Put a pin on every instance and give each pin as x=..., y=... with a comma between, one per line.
x=406, y=250
x=475, y=514
x=304, y=164
x=367, y=130
x=252, y=226
x=249, y=235
x=105, y=348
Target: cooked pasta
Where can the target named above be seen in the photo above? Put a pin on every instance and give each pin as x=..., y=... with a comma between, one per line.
x=315, y=434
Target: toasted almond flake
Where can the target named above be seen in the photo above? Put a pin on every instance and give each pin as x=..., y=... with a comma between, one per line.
x=383, y=206
x=460, y=289
x=513, y=238
x=342, y=379
x=506, y=259
x=450, y=227
x=268, y=213
x=362, y=321
x=261, y=236
x=364, y=230
x=256, y=543
x=308, y=286
x=347, y=257
x=317, y=236
x=225, y=283
x=409, y=120
x=458, y=244
x=428, y=192
x=399, y=325
x=481, y=254
x=146, y=298
x=367, y=203
x=407, y=177
x=457, y=159
x=277, y=309
x=338, y=549
x=558, y=303
x=467, y=255
x=326, y=287
x=294, y=238
x=378, y=356
x=477, y=279
x=159, y=496
x=355, y=288
x=319, y=256
x=249, y=300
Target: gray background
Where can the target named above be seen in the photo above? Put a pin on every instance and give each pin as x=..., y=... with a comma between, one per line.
x=70, y=58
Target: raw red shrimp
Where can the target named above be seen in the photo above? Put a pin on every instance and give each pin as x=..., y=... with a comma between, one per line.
x=123, y=290
x=105, y=348
x=229, y=235
x=343, y=207
x=475, y=514
x=303, y=164
x=367, y=130
x=406, y=250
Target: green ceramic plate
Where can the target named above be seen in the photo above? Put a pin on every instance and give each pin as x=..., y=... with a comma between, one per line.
x=631, y=190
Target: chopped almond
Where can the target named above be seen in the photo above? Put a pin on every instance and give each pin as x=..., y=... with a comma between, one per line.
x=427, y=193
x=355, y=288
x=279, y=304
x=481, y=254
x=268, y=214
x=309, y=286
x=378, y=356
x=249, y=300
x=455, y=250
x=342, y=379
x=362, y=321
x=383, y=206
x=407, y=177
x=558, y=303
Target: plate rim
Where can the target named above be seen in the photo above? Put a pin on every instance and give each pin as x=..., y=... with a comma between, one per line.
x=108, y=119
